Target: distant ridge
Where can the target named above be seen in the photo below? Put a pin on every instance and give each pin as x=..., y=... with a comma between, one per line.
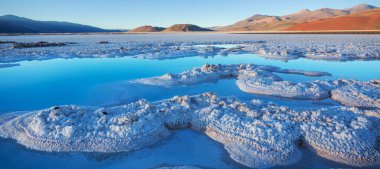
x=147, y=28
x=185, y=28
x=359, y=17
x=277, y=23
x=16, y=24
x=360, y=7
x=366, y=20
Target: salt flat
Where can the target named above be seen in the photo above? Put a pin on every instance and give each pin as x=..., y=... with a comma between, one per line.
x=166, y=46
x=278, y=98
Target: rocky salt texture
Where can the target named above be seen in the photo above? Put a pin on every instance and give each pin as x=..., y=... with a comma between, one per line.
x=262, y=80
x=284, y=47
x=255, y=134
x=359, y=95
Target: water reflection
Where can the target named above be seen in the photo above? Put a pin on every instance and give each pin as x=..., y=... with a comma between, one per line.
x=40, y=84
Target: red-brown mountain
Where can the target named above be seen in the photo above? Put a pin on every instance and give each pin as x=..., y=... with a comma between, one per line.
x=366, y=20
x=185, y=28
x=276, y=23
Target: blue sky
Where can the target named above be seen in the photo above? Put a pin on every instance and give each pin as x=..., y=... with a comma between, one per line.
x=125, y=14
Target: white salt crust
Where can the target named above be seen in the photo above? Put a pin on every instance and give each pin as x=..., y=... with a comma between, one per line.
x=262, y=80
x=284, y=47
x=255, y=134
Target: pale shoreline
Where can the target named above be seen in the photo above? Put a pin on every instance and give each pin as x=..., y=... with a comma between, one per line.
x=165, y=46
x=210, y=32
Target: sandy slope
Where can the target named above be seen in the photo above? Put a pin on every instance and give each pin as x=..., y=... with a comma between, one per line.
x=276, y=23
x=367, y=20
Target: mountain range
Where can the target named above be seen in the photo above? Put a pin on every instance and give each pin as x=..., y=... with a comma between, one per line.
x=173, y=28
x=16, y=24
x=359, y=17
x=277, y=23
x=366, y=20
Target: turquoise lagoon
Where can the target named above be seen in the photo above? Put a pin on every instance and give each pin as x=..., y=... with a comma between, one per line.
x=106, y=81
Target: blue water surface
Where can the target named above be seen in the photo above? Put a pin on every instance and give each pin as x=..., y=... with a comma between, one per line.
x=105, y=81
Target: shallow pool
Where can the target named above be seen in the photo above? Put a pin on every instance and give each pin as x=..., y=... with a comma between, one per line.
x=105, y=81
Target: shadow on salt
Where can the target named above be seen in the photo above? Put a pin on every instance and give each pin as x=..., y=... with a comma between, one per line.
x=184, y=147
x=311, y=160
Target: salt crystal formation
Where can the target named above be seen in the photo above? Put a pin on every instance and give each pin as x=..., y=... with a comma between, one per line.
x=284, y=47
x=255, y=134
x=261, y=80
x=364, y=95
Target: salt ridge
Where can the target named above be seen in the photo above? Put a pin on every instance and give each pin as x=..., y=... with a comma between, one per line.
x=259, y=79
x=255, y=134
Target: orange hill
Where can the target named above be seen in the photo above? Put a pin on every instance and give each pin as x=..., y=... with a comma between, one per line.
x=366, y=20
x=276, y=23
x=147, y=28
x=185, y=28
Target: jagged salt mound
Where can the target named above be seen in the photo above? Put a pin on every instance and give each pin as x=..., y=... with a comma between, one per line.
x=366, y=95
x=262, y=80
x=255, y=134
x=281, y=88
